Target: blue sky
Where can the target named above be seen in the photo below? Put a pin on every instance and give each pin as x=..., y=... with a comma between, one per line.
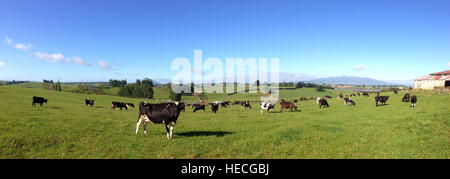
x=87, y=40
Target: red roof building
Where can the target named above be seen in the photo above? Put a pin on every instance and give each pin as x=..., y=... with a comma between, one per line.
x=439, y=79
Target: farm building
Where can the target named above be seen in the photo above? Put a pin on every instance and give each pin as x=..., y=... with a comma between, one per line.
x=440, y=79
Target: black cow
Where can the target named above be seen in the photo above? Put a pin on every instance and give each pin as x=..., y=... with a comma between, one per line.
x=166, y=113
x=295, y=100
x=413, y=101
x=348, y=101
x=381, y=99
x=406, y=97
x=246, y=104
x=329, y=97
x=198, y=106
x=119, y=105
x=214, y=107
x=89, y=102
x=39, y=100
x=395, y=91
x=359, y=94
x=365, y=94
x=323, y=102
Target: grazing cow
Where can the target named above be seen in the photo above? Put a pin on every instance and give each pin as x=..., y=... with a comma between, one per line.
x=353, y=95
x=119, y=105
x=381, y=99
x=395, y=91
x=246, y=104
x=89, y=102
x=413, y=101
x=318, y=100
x=214, y=107
x=359, y=94
x=329, y=97
x=287, y=105
x=323, y=102
x=406, y=97
x=267, y=106
x=295, y=100
x=129, y=105
x=366, y=94
x=198, y=106
x=39, y=100
x=166, y=113
x=348, y=101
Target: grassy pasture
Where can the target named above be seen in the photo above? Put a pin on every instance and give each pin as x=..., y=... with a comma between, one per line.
x=66, y=128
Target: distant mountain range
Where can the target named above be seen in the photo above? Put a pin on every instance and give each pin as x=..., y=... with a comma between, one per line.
x=350, y=80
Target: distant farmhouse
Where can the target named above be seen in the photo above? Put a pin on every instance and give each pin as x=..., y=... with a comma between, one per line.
x=434, y=80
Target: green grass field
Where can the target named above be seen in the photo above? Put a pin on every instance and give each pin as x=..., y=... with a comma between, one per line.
x=66, y=128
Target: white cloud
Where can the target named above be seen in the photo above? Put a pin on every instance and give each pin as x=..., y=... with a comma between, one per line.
x=359, y=67
x=51, y=57
x=104, y=65
x=24, y=47
x=448, y=65
x=79, y=61
x=2, y=64
x=9, y=41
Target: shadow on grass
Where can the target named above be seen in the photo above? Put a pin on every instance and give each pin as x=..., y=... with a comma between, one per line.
x=203, y=133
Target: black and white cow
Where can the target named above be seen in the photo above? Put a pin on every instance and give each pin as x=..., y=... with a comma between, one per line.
x=246, y=104
x=89, y=102
x=348, y=101
x=365, y=94
x=39, y=100
x=406, y=97
x=323, y=102
x=381, y=99
x=129, y=105
x=166, y=113
x=413, y=101
x=120, y=105
x=198, y=106
x=214, y=107
x=267, y=106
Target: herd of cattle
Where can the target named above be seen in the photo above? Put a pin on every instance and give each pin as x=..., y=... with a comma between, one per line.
x=168, y=113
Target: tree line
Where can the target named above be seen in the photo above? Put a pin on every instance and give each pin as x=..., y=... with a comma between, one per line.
x=140, y=89
x=50, y=85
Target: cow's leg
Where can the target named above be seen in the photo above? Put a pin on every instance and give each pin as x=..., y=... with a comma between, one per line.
x=167, y=131
x=145, y=128
x=139, y=123
x=170, y=126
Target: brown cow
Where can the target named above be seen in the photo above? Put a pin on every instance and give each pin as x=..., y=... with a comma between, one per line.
x=287, y=105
